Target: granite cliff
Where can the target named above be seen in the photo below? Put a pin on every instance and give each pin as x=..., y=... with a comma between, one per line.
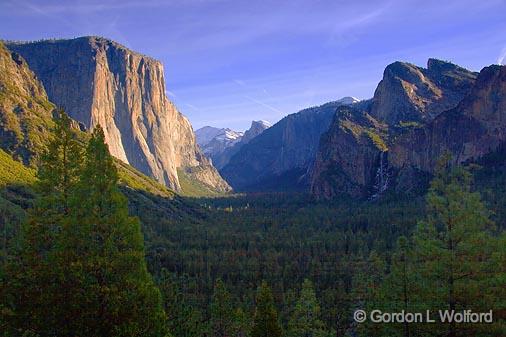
x=416, y=116
x=411, y=94
x=349, y=154
x=474, y=128
x=279, y=158
x=215, y=141
x=98, y=81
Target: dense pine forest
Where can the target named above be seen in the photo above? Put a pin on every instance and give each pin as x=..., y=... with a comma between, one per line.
x=244, y=265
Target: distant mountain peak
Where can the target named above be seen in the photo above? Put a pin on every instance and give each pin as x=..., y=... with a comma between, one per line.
x=256, y=128
x=348, y=100
x=262, y=122
x=220, y=144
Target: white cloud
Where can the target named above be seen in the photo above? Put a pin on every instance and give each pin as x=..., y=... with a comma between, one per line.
x=170, y=94
x=502, y=57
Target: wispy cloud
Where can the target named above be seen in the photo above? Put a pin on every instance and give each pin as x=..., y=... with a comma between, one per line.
x=94, y=6
x=240, y=83
x=170, y=93
x=502, y=57
x=268, y=106
x=191, y=106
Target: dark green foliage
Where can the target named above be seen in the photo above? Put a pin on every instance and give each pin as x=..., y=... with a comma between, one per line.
x=221, y=311
x=81, y=269
x=241, y=323
x=31, y=277
x=456, y=263
x=265, y=322
x=102, y=254
x=458, y=258
x=347, y=248
x=183, y=320
x=305, y=320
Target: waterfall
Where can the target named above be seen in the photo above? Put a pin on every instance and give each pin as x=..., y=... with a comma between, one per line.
x=382, y=177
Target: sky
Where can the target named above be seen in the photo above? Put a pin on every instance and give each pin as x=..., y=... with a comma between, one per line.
x=230, y=62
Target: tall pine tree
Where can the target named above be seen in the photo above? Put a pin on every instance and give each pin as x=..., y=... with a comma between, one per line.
x=305, y=320
x=183, y=320
x=461, y=263
x=222, y=312
x=456, y=262
x=265, y=323
x=33, y=286
x=101, y=252
x=81, y=269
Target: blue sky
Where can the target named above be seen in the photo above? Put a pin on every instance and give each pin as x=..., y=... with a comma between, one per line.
x=229, y=62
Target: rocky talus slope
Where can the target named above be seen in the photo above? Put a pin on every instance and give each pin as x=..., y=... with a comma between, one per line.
x=98, y=81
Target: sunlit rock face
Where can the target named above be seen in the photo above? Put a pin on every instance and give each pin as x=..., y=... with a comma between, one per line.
x=100, y=82
x=408, y=93
x=25, y=112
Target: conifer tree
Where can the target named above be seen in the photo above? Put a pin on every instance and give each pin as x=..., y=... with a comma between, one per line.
x=305, y=320
x=265, y=323
x=108, y=288
x=183, y=320
x=460, y=263
x=397, y=292
x=33, y=284
x=241, y=326
x=222, y=312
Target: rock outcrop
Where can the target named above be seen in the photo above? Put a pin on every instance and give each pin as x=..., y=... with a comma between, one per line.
x=256, y=128
x=416, y=116
x=25, y=112
x=98, y=81
x=411, y=94
x=280, y=157
x=350, y=154
x=474, y=128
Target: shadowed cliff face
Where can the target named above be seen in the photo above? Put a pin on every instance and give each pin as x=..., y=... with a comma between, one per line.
x=98, y=81
x=417, y=115
x=475, y=127
x=287, y=147
x=349, y=155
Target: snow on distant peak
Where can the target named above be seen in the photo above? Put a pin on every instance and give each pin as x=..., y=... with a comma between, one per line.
x=205, y=134
x=348, y=100
x=263, y=123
